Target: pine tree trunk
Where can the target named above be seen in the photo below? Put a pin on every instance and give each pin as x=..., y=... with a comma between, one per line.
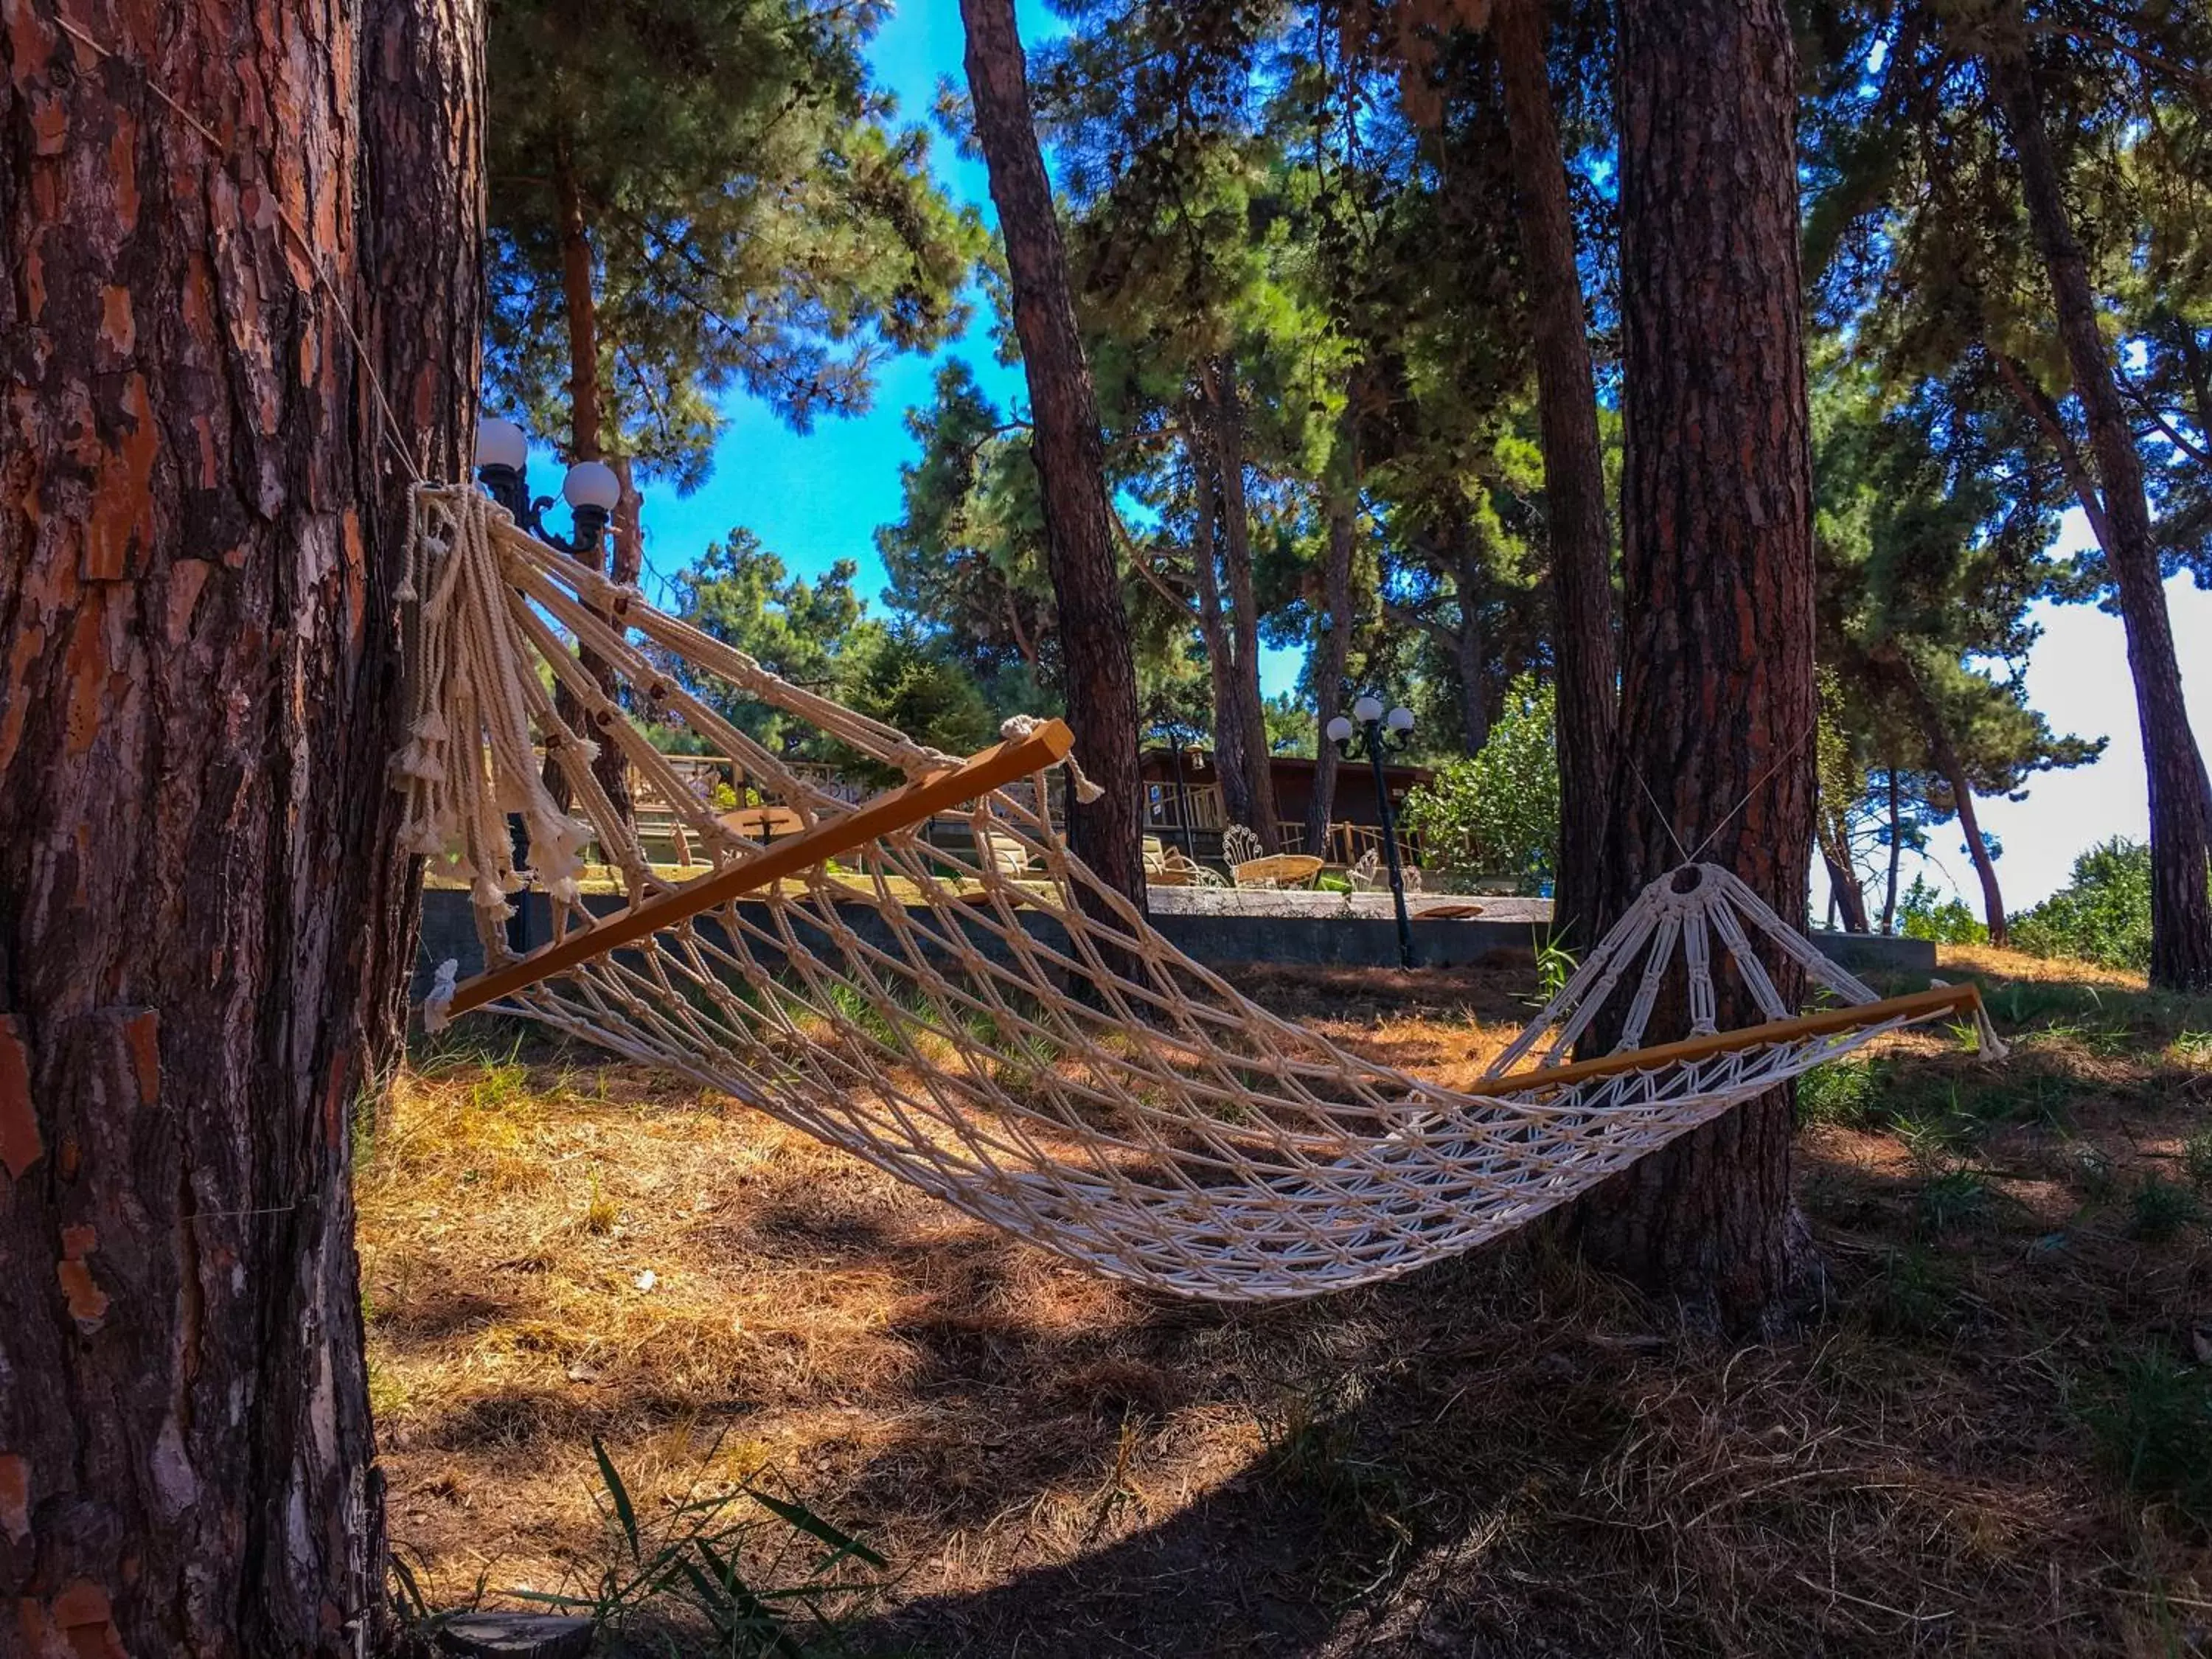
x=582, y=312
x=1844, y=892
x=1071, y=456
x=625, y=564
x=1586, y=667
x=1233, y=778
x=587, y=424
x=2044, y=413
x=199, y=920
x=1332, y=651
x=2180, y=812
x=1717, y=707
x=1235, y=524
x=1470, y=650
x=628, y=561
x=1945, y=754
x=1896, y=854
x=1986, y=869
x=423, y=257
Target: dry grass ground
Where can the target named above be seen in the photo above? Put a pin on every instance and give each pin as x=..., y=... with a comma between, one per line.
x=1993, y=1441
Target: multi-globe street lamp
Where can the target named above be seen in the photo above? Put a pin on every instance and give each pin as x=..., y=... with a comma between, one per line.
x=1372, y=732
x=591, y=489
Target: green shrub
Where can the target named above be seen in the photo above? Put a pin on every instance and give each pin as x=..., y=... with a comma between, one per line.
x=2102, y=916
x=1497, y=814
x=1923, y=913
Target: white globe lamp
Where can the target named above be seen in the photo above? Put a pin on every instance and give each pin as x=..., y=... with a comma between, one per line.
x=591, y=486
x=500, y=443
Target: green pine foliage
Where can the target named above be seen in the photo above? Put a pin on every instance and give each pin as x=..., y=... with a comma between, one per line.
x=930, y=696
x=815, y=633
x=756, y=218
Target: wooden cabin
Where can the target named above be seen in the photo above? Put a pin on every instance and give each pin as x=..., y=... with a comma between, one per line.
x=1195, y=798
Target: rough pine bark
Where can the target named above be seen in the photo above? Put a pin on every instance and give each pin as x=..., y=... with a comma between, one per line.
x=1069, y=451
x=1470, y=648
x=1585, y=664
x=1717, y=707
x=1896, y=852
x=422, y=96
x=1332, y=653
x=1227, y=418
x=587, y=424
x=199, y=542
x=1232, y=776
x=2180, y=805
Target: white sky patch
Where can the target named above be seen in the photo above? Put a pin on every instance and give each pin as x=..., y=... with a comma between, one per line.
x=2077, y=676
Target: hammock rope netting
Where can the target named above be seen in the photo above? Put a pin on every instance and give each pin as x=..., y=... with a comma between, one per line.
x=991, y=1022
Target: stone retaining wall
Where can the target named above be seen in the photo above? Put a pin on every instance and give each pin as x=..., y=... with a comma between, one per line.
x=1222, y=929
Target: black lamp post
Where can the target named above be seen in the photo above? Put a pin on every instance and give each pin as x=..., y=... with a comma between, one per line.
x=1172, y=733
x=591, y=490
x=1372, y=732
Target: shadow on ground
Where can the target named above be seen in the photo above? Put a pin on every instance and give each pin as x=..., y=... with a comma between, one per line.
x=1506, y=1455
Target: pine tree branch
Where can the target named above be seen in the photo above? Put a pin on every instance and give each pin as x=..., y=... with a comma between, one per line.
x=2141, y=399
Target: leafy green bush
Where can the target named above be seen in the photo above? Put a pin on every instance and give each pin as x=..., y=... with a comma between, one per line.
x=2102, y=916
x=1498, y=814
x=1923, y=913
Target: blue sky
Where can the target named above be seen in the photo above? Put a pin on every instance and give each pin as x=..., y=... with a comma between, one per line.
x=817, y=499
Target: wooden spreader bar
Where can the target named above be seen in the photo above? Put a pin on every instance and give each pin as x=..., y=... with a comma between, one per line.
x=885, y=814
x=1915, y=1004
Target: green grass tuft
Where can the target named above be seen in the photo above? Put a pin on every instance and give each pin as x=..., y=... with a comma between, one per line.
x=2152, y=1420
x=1957, y=1200
x=2159, y=1210
x=2196, y=1157
x=1843, y=1095
x=1910, y=1297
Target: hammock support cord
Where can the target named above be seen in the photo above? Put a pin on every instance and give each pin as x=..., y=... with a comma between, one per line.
x=990, y=1022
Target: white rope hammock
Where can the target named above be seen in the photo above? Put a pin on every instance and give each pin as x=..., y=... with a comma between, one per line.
x=1020, y=1042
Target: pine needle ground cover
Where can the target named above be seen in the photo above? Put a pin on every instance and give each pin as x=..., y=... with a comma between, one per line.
x=1998, y=1440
